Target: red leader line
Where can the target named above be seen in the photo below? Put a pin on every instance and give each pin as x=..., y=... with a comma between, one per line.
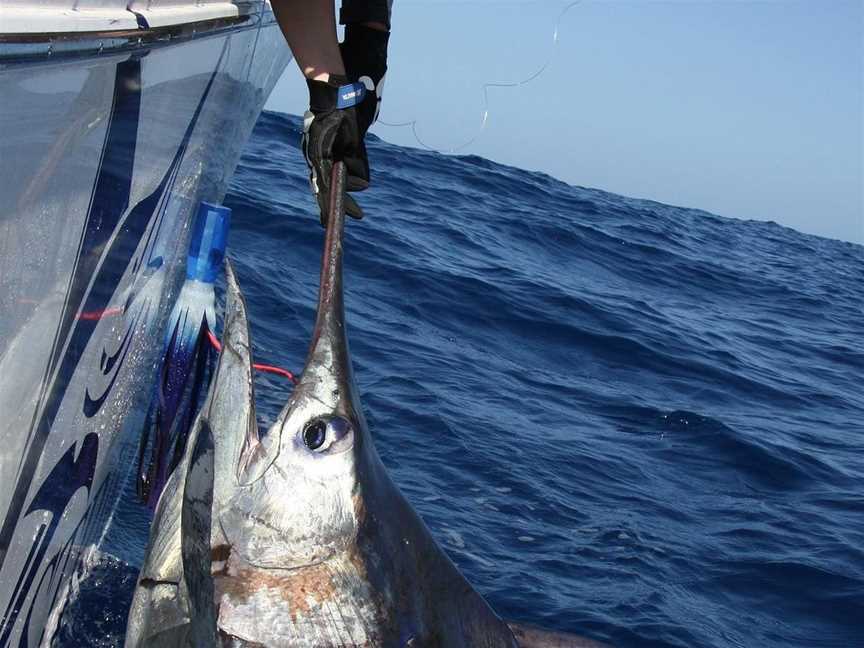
x=279, y=371
x=86, y=315
x=98, y=315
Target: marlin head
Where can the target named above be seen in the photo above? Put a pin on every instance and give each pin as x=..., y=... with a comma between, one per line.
x=300, y=487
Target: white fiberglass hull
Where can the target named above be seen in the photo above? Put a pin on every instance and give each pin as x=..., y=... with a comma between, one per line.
x=105, y=154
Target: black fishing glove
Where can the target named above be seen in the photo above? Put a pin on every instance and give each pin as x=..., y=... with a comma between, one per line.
x=364, y=52
x=330, y=133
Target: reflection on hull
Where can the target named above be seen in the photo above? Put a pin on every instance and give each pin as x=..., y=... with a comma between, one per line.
x=104, y=161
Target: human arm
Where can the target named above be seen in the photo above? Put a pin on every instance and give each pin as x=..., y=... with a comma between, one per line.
x=344, y=81
x=309, y=26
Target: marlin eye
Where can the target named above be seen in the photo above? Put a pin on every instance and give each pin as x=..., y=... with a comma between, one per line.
x=314, y=434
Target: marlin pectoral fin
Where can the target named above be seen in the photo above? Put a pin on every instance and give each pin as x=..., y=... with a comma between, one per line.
x=196, y=525
x=531, y=637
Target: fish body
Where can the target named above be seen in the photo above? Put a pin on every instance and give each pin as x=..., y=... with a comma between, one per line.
x=298, y=538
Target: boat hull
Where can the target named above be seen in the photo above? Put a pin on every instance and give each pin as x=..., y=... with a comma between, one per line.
x=105, y=157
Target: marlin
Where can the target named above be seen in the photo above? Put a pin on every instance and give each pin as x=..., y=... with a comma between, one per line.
x=298, y=538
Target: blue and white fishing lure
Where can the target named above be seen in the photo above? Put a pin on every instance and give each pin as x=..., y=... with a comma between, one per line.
x=188, y=355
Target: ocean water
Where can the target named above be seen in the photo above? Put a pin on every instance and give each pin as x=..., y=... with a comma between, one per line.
x=633, y=421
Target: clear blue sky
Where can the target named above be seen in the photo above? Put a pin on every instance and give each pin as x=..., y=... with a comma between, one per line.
x=745, y=109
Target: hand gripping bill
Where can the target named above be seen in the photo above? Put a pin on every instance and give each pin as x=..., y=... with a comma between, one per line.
x=331, y=133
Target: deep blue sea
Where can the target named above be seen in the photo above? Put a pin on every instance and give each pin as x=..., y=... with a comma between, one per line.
x=634, y=421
